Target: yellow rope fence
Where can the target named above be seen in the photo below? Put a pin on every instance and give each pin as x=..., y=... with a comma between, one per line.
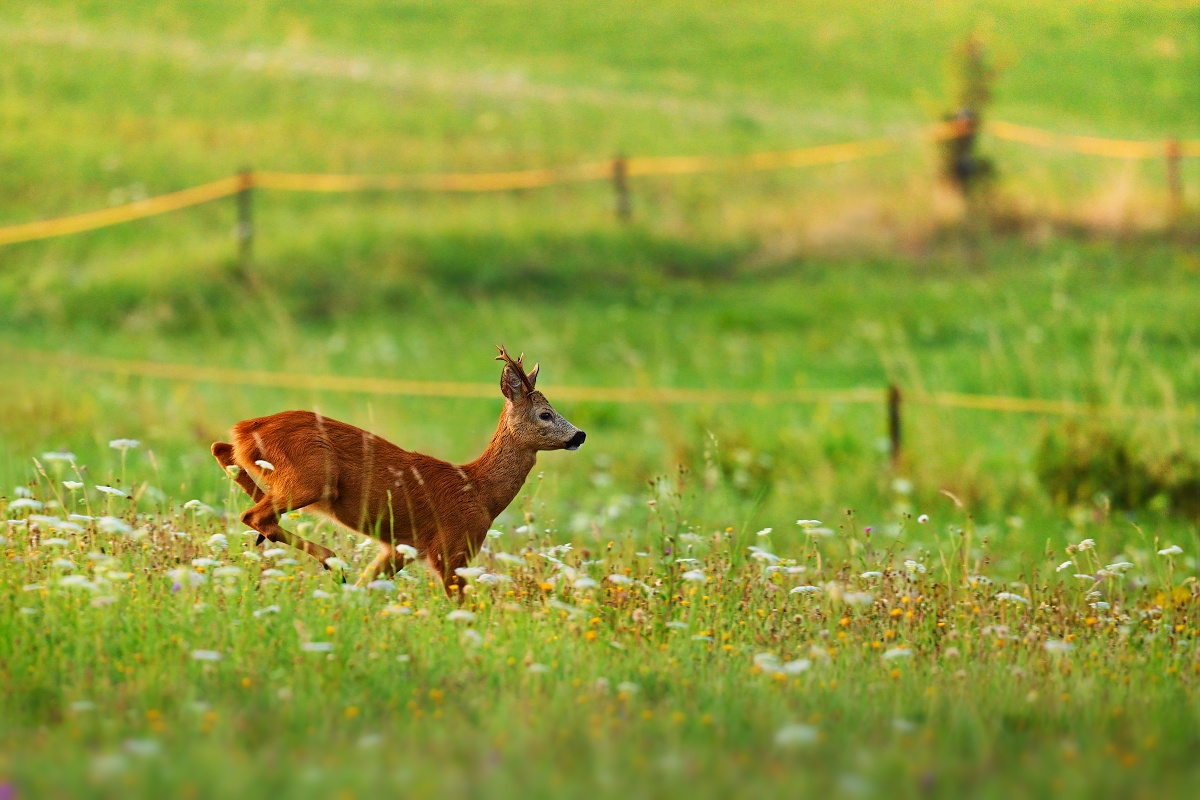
x=592, y=171
x=393, y=387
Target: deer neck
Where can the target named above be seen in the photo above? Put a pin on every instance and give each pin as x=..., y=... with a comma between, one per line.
x=500, y=472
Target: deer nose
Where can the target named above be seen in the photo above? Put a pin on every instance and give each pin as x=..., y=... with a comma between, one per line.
x=575, y=441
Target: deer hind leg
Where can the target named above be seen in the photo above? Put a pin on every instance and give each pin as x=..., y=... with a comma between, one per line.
x=263, y=517
x=223, y=453
x=386, y=564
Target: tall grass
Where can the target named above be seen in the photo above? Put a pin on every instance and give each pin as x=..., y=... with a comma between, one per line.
x=156, y=651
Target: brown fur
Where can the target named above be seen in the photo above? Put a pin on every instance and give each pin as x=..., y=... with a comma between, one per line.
x=396, y=496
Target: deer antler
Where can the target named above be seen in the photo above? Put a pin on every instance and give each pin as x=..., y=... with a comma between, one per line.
x=517, y=365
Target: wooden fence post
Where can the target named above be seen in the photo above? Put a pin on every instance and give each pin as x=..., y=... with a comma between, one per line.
x=245, y=224
x=1174, y=179
x=894, y=434
x=620, y=178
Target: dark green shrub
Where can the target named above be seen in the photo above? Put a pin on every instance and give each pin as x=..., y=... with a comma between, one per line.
x=1079, y=463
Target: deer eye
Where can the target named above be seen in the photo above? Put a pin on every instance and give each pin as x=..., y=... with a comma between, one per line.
x=545, y=416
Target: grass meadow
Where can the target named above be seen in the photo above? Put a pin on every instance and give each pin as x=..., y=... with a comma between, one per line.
x=707, y=598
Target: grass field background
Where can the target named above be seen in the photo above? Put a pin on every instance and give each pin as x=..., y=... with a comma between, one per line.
x=846, y=276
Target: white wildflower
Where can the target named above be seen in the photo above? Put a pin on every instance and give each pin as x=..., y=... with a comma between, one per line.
x=111, y=491
x=25, y=502
x=796, y=736
x=460, y=615
x=406, y=550
x=586, y=583
x=73, y=485
x=914, y=566
x=113, y=525
x=619, y=580
x=271, y=609
x=380, y=585
x=1012, y=598
x=796, y=667
x=758, y=554
x=142, y=748
x=321, y=594
x=397, y=609
x=923, y=519
x=316, y=647
x=808, y=523
x=1173, y=550
x=871, y=574
x=206, y=655
x=218, y=541
x=764, y=532
x=335, y=563
x=694, y=575
x=893, y=653
x=1058, y=647
x=494, y=534
x=225, y=572
x=806, y=590
x=58, y=455
x=1086, y=544
x=124, y=444
x=1064, y=565
x=538, y=669
x=187, y=576
x=469, y=572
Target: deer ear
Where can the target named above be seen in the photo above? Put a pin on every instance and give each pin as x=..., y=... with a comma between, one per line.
x=510, y=384
x=532, y=374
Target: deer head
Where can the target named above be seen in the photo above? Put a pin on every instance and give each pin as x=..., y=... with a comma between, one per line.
x=531, y=419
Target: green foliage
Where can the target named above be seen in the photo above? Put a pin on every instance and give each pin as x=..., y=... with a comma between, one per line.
x=1088, y=464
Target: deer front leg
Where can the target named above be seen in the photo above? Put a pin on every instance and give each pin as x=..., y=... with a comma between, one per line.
x=447, y=564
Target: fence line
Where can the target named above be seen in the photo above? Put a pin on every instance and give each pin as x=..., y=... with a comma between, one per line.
x=140, y=209
x=591, y=171
x=394, y=387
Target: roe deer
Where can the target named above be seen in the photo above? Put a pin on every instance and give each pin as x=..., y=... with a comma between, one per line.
x=301, y=460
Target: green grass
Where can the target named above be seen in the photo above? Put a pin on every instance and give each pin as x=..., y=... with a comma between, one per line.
x=836, y=277
x=151, y=660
